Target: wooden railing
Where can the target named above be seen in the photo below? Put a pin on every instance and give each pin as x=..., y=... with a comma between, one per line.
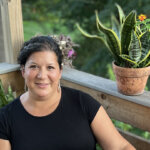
x=134, y=110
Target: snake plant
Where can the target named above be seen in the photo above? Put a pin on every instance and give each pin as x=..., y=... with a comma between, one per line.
x=127, y=42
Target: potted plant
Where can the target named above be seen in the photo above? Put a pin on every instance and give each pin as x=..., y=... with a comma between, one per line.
x=129, y=43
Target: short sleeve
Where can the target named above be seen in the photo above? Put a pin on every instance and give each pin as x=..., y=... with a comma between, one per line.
x=89, y=105
x=3, y=125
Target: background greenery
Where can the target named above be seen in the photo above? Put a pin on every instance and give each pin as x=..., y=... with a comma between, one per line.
x=60, y=16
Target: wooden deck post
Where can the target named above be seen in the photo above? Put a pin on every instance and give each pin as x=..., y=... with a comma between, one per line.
x=11, y=30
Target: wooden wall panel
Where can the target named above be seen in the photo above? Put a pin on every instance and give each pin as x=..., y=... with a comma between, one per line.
x=15, y=80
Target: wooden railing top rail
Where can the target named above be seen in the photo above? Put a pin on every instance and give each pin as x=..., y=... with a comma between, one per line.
x=6, y=67
x=104, y=85
x=91, y=81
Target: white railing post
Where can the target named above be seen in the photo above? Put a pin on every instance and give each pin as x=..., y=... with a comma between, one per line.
x=11, y=30
x=6, y=54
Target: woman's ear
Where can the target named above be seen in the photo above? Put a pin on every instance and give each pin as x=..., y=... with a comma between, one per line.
x=61, y=70
x=22, y=70
x=62, y=65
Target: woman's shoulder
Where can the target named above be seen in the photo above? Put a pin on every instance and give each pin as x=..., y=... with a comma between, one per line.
x=85, y=101
x=77, y=95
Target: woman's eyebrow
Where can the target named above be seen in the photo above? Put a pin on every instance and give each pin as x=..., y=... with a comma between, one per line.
x=51, y=63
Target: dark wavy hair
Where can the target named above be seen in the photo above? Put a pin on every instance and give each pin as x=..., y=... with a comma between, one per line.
x=36, y=44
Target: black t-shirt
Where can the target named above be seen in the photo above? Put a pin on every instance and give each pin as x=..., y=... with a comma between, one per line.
x=67, y=128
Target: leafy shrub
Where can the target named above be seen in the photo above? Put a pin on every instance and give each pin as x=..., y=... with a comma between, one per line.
x=5, y=98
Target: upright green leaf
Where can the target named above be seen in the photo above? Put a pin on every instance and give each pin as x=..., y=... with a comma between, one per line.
x=127, y=29
x=10, y=96
x=127, y=62
x=135, y=48
x=121, y=14
x=145, y=53
x=115, y=25
x=145, y=58
x=3, y=97
x=145, y=43
x=148, y=63
x=87, y=34
x=102, y=38
x=138, y=31
x=111, y=38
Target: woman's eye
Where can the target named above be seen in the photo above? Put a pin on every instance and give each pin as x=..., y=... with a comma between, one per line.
x=33, y=66
x=50, y=67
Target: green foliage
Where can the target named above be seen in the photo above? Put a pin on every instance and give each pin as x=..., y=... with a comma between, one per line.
x=129, y=49
x=32, y=28
x=111, y=75
x=5, y=98
x=65, y=13
x=129, y=128
x=98, y=147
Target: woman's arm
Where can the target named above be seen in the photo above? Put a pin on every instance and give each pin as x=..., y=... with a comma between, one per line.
x=4, y=145
x=106, y=134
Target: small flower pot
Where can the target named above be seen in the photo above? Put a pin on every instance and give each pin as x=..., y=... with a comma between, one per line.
x=131, y=81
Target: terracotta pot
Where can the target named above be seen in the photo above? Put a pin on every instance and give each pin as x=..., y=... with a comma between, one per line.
x=131, y=81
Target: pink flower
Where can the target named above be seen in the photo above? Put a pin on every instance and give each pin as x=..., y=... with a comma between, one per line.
x=71, y=53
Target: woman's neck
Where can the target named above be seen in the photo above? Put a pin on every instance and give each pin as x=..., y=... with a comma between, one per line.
x=38, y=106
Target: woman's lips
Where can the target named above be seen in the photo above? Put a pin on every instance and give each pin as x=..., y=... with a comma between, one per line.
x=42, y=85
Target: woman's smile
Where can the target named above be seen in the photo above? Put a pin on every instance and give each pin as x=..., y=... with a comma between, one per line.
x=42, y=85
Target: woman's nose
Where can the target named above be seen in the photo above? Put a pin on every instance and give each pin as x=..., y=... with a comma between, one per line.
x=42, y=74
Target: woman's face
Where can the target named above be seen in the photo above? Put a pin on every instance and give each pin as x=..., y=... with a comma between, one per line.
x=42, y=74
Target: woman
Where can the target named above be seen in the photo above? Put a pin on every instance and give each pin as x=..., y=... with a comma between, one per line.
x=48, y=116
